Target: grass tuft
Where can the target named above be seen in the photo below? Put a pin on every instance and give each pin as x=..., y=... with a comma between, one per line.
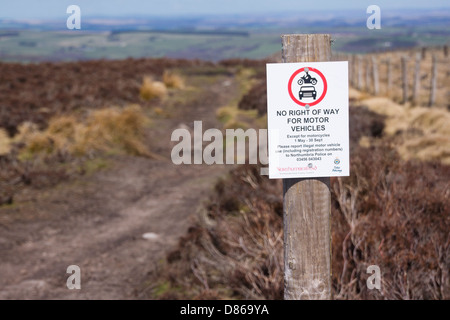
x=421, y=133
x=106, y=130
x=4, y=142
x=151, y=89
x=173, y=80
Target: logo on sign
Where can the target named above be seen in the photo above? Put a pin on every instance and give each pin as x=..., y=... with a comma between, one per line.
x=337, y=167
x=307, y=86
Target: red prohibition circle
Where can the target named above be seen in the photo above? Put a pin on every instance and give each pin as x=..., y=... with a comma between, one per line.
x=325, y=87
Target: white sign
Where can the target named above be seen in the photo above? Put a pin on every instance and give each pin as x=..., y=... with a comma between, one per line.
x=307, y=109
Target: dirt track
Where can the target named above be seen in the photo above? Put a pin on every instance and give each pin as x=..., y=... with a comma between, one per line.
x=98, y=221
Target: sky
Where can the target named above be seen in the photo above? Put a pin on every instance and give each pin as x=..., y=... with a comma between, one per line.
x=53, y=9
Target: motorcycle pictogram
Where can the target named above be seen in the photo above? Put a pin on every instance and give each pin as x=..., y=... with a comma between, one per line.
x=307, y=79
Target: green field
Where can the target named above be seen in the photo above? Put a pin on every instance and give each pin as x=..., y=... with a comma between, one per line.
x=34, y=46
x=29, y=46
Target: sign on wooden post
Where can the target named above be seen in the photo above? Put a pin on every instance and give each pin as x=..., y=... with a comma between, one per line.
x=307, y=100
x=307, y=109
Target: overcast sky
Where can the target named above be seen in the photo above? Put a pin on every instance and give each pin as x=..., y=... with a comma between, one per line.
x=35, y=9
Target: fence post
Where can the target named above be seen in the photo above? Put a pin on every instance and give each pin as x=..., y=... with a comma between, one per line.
x=368, y=76
x=359, y=73
x=389, y=76
x=405, y=78
x=424, y=53
x=433, y=82
x=376, y=89
x=350, y=69
x=307, y=202
x=416, y=87
x=354, y=69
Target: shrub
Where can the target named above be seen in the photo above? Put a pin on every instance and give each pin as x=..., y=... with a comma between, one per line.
x=173, y=80
x=255, y=99
x=109, y=129
x=394, y=215
x=151, y=89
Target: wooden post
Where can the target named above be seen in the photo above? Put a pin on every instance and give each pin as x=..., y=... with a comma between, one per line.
x=389, y=76
x=405, y=78
x=368, y=75
x=307, y=202
x=350, y=70
x=424, y=53
x=446, y=51
x=416, y=87
x=359, y=73
x=433, y=82
x=353, y=70
x=376, y=89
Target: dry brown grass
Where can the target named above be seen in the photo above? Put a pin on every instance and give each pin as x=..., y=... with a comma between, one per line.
x=173, y=80
x=354, y=95
x=64, y=126
x=233, y=118
x=152, y=89
x=25, y=130
x=4, y=142
x=427, y=148
x=109, y=129
x=430, y=120
x=382, y=105
x=421, y=133
x=105, y=130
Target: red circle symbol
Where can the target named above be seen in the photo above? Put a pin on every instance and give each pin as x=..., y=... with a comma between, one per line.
x=291, y=79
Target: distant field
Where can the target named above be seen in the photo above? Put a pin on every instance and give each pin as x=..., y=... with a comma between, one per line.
x=31, y=46
x=34, y=46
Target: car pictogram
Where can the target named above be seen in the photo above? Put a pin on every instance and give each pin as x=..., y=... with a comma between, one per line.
x=307, y=91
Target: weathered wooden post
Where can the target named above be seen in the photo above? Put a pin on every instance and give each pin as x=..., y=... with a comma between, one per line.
x=376, y=88
x=424, y=53
x=359, y=72
x=416, y=86
x=433, y=82
x=353, y=70
x=368, y=75
x=389, y=76
x=307, y=202
x=446, y=51
x=405, y=78
x=350, y=69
